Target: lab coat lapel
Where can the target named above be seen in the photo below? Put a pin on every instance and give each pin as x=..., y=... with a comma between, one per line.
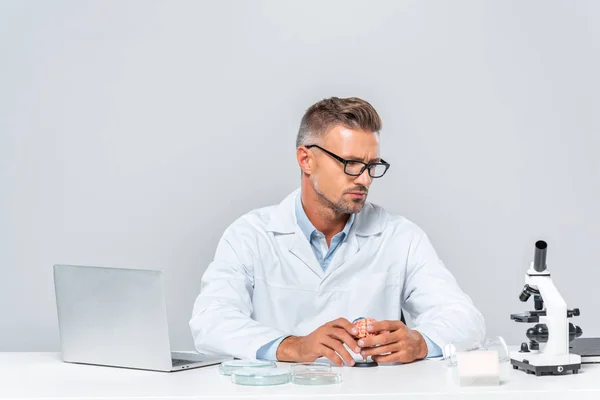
x=368, y=222
x=301, y=248
x=283, y=221
x=346, y=252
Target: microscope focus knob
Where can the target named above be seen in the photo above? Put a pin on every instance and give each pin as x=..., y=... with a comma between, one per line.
x=538, y=333
x=574, y=331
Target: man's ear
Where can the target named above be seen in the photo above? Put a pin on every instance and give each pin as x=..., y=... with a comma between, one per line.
x=304, y=159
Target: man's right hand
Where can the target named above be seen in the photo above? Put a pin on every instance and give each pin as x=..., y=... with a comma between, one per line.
x=326, y=341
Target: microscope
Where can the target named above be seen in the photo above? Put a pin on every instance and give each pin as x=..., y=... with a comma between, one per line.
x=552, y=326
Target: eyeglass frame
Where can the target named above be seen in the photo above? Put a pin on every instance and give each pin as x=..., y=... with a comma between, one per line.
x=345, y=162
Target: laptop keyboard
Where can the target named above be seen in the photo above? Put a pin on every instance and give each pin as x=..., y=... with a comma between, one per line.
x=177, y=362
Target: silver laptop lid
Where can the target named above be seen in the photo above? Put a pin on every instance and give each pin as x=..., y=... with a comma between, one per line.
x=112, y=316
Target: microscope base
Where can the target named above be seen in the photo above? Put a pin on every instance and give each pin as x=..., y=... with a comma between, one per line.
x=534, y=364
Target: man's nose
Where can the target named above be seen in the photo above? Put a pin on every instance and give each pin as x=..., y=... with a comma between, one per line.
x=364, y=178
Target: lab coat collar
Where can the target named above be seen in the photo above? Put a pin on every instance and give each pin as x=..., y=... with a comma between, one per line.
x=368, y=222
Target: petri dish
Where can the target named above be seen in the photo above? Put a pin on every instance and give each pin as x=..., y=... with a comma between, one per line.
x=228, y=367
x=261, y=376
x=314, y=374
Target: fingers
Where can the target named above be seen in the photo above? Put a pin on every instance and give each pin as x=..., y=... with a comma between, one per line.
x=344, y=324
x=399, y=356
x=386, y=325
x=338, y=347
x=331, y=355
x=382, y=339
x=343, y=336
x=379, y=350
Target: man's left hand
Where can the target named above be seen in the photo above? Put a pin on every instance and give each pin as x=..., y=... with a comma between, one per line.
x=395, y=343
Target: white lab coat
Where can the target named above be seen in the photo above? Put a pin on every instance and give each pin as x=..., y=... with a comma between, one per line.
x=265, y=282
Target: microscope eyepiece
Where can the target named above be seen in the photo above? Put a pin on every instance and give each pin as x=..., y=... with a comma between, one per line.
x=539, y=260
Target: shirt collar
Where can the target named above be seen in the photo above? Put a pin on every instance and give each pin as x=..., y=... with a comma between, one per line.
x=308, y=228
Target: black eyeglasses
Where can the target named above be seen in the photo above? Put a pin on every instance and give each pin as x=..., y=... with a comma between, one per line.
x=356, y=168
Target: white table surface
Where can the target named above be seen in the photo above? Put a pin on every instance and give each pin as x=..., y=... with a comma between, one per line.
x=45, y=376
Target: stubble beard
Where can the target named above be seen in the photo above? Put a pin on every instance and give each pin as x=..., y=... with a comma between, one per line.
x=342, y=206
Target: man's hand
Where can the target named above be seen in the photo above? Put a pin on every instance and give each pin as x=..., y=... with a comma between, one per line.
x=326, y=341
x=395, y=343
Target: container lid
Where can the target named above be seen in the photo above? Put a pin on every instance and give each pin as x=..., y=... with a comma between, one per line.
x=260, y=376
x=314, y=374
x=228, y=367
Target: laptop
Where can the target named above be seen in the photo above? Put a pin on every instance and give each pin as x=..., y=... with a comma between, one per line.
x=587, y=348
x=117, y=317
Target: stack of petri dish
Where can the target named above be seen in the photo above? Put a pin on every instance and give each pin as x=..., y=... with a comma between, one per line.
x=266, y=373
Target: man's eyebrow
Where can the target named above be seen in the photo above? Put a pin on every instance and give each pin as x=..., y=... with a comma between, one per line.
x=354, y=158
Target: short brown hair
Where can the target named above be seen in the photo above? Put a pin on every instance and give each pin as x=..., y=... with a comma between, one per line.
x=351, y=112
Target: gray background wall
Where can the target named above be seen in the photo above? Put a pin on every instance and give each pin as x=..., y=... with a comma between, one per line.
x=133, y=132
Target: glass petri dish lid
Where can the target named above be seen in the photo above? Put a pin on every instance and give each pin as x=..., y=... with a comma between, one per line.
x=228, y=367
x=314, y=374
x=261, y=376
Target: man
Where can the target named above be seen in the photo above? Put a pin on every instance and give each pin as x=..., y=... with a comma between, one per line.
x=287, y=280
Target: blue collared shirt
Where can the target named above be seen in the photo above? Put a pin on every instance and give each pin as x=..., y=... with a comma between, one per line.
x=324, y=255
x=317, y=239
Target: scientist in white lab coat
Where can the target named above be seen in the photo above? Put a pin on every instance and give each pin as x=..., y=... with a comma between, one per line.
x=286, y=280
